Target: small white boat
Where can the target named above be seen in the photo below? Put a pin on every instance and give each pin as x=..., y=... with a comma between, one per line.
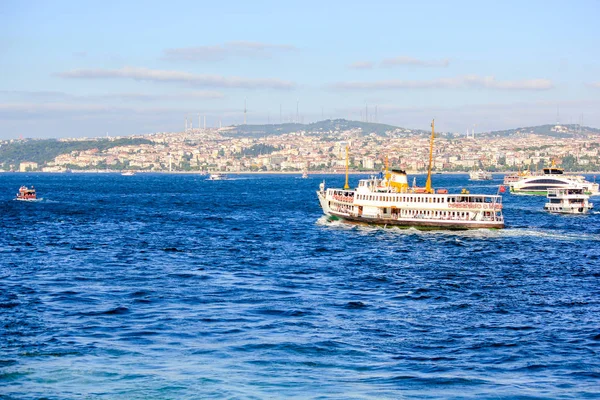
x=127, y=173
x=480, y=175
x=216, y=176
x=568, y=200
x=304, y=174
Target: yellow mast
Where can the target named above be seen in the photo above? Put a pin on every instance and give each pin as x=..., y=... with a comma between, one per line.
x=387, y=171
x=346, y=186
x=428, y=188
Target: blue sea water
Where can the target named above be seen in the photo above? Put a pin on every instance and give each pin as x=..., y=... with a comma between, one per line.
x=174, y=287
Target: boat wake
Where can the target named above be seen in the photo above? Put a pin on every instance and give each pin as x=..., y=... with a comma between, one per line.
x=470, y=233
x=30, y=200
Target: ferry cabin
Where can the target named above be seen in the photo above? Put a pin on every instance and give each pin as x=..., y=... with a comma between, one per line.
x=571, y=200
x=452, y=211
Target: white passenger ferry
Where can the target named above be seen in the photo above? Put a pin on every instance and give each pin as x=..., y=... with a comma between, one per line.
x=569, y=200
x=551, y=178
x=390, y=201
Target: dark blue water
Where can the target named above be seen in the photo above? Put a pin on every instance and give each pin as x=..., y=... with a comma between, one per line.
x=173, y=287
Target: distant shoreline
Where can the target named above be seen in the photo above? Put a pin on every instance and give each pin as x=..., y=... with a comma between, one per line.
x=271, y=172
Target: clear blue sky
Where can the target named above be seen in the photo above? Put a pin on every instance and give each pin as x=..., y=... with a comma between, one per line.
x=72, y=68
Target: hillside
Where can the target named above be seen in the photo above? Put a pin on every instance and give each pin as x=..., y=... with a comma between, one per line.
x=569, y=130
x=315, y=128
x=42, y=151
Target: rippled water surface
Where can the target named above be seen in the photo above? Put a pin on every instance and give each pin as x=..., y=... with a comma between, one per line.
x=171, y=286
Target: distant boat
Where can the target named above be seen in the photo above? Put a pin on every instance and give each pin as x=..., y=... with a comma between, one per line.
x=568, y=200
x=127, y=173
x=304, y=174
x=27, y=194
x=515, y=177
x=480, y=175
x=217, y=176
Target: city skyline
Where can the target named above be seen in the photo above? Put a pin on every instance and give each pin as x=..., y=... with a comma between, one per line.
x=122, y=69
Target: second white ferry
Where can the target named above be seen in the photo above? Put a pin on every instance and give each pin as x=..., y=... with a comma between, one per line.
x=551, y=178
x=390, y=201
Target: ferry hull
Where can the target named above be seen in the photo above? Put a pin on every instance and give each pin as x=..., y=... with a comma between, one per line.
x=540, y=192
x=530, y=192
x=420, y=224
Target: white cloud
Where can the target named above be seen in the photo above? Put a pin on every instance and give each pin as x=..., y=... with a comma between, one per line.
x=403, y=60
x=52, y=96
x=258, y=46
x=487, y=116
x=361, y=65
x=467, y=81
x=194, y=95
x=595, y=85
x=154, y=75
x=243, y=49
x=200, y=53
